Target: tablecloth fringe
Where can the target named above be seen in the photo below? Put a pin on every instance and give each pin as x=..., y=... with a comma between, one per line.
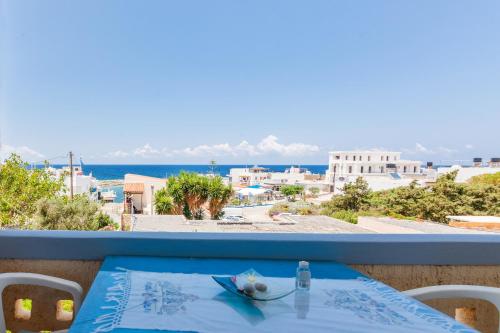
x=116, y=296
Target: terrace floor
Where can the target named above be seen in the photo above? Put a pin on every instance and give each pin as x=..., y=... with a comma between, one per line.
x=297, y=224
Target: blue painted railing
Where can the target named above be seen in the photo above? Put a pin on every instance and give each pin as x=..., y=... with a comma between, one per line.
x=345, y=248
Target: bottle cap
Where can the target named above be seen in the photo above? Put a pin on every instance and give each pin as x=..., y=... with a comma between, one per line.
x=303, y=264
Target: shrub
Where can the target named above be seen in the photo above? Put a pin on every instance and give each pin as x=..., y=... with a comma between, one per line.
x=21, y=189
x=62, y=213
x=164, y=203
x=291, y=191
x=346, y=215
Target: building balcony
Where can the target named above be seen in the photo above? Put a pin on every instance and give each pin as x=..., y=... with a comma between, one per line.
x=401, y=261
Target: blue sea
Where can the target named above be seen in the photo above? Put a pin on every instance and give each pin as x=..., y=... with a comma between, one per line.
x=118, y=171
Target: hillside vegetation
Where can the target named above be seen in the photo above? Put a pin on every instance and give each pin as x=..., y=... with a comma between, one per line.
x=481, y=196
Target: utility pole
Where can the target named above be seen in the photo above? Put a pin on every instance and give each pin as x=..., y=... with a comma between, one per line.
x=71, y=174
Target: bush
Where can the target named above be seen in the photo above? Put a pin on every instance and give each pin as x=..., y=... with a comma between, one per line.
x=291, y=191
x=62, y=213
x=346, y=215
x=489, y=179
x=298, y=207
x=435, y=202
x=164, y=203
x=21, y=189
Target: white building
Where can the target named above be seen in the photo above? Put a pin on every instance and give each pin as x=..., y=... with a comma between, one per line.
x=381, y=169
x=364, y=163
x=464, y=174
x=243, y=177
x=82, y=184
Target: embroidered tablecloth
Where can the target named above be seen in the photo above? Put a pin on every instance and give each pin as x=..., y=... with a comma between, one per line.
x=178, y=295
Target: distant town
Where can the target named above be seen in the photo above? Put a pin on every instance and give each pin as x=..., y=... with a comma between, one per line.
x=257, y=191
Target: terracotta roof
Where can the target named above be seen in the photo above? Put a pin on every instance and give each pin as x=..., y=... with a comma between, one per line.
x=133, y=188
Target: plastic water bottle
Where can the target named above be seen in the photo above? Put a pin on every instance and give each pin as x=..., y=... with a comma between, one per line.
x=303, y=278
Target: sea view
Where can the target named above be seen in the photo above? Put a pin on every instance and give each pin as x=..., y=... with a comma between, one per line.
x=118, y=171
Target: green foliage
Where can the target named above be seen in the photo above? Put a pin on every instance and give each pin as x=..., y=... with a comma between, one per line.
x=218, y=195
x=489, y=179
x=27, y=304
x=20, y=189
x=314, y=191
x=435, y=202
x=296, y=207
x=61, y=213
x=291, y=191
x=355, y=197
x=67, y=305
x=402, y=201
x=346, y=215
x=445, y=197
x=104, y=220
x=190, y=192
x=164, y=203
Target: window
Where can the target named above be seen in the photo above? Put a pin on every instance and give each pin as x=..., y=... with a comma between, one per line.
x=414, y=169
x=369, y=168
x=361, y=158
x=350, y=169
x=334, y=168
x=387, y=158
x=354, y=158
x=337, y=157
x=382, y=158
x=362, y=169
x=382, y=169
x=369, y=158
x=404, y=169
x=346, y=157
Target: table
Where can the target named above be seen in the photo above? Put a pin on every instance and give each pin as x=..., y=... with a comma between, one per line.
x=146, y=294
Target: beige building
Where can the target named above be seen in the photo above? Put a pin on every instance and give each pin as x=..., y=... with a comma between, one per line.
x=139, y=191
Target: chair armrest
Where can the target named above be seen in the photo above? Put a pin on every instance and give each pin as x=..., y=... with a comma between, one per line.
x=7, y=279
x=489, y=294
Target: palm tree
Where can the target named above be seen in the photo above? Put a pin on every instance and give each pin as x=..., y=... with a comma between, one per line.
x=164, y=203
x=219, y=195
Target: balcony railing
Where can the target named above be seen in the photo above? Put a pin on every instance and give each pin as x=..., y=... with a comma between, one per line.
x=402, y=261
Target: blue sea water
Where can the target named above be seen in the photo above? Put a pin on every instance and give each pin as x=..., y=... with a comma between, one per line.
x=118, y=171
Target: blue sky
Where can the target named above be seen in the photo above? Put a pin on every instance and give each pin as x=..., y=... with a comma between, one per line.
x=248, y=81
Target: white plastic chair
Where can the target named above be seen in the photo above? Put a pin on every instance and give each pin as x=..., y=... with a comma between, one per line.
x=7, y=279
x=489, y=294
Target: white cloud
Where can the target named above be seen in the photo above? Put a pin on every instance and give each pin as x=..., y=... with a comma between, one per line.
x=118, y=153
x=270, y=144
x=267, y=146
x=146, y=151
x=420, y=149
x=469, y=146
x=25, y=152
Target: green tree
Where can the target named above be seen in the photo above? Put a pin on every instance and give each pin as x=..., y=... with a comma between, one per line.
x=164, y=203
x=219, y=195
x=191, y=191
x=488, y=179
x=20, y=190
x=291, y=191
x=355, y=197
x=62, y=213
x=404, y=201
